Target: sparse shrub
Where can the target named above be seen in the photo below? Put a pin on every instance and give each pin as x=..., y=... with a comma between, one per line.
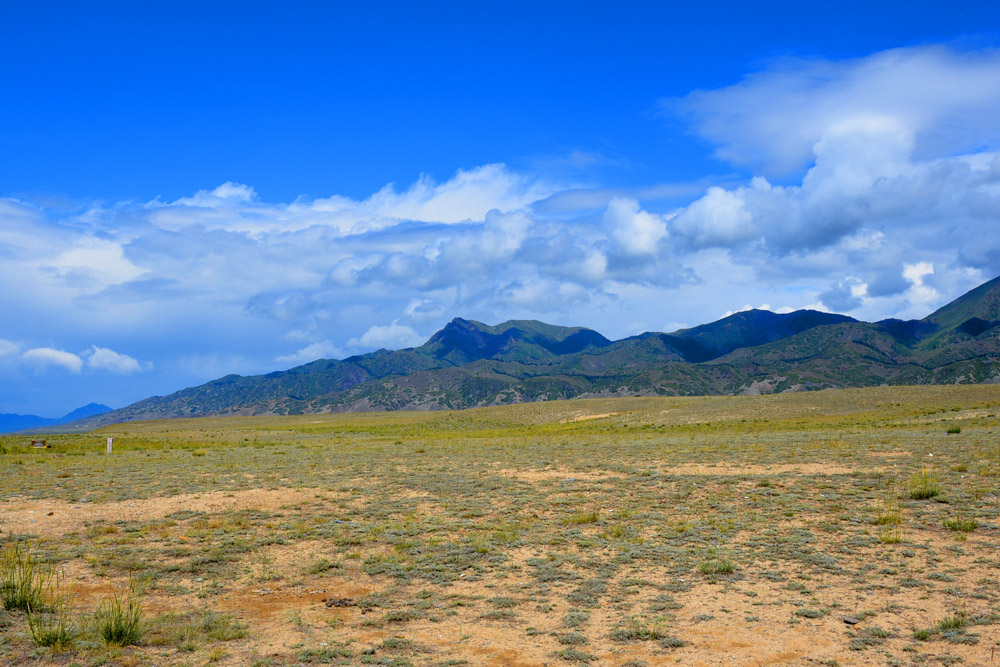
x=721, y=565
x=24, y=581
x=321, y=566
x=890, y=534
x=924, y=485
x=400, y=616
x=889, y=518
x=399, y=644
x=634, y=629
x=53, y=629
x=119, y=619
x=581, y=518
x=953, y=429
x=502, y=602
x=326, y=655
x=964, y=525
x=890, y=510
x=575, y=655
x=954, y=622
x=572, y=639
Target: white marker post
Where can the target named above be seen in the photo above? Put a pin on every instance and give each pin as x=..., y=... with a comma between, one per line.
x=110, y=440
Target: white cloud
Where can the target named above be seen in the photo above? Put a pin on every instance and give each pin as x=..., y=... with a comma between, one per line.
x=887, y=180
x=47, y=356
x=8, y=348
x=323, y=349
x=468, y=195
x=94, y=262
x=920, y=293
x=773, y=119
x=97, y=359
x=392, y=336
x=227, y=194
x=720, y=218
x=103, y=359
x=637, y=232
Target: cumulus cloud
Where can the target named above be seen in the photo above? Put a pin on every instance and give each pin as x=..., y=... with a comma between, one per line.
x=94, y=262
x=774, y=118
x=103, y=359
x=323, y=349
x=467, y=195
x=47, y=357
x=636, y=232
x=899, y=151
x=227, y=193
x=96, y=359
x=391, y=336
x=919, y=292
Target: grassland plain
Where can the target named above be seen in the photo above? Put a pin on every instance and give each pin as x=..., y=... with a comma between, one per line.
x=627, y=531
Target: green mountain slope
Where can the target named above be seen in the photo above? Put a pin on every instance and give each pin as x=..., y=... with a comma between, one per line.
x=468, y=363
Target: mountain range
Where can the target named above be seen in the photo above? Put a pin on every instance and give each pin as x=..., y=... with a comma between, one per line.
x=468, y=364
x=10, y=423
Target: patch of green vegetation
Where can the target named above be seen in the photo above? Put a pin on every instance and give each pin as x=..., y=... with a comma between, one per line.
x=119, y=619
x=25, y=581
x=924, y=485
x=961, y=524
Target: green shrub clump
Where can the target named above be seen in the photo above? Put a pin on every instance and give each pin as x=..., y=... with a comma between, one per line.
x=119, y=619
x=24, y=581
x=924, y=485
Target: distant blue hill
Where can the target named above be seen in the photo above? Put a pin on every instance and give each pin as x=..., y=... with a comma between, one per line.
x=9, y=423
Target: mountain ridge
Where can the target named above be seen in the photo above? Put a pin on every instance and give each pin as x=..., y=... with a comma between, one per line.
x=467, y=363
x=11, y=423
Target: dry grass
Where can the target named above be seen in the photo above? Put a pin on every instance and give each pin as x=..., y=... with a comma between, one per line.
x=615, y=531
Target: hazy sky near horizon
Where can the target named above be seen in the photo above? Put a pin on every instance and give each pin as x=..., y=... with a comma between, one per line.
x=189, y=190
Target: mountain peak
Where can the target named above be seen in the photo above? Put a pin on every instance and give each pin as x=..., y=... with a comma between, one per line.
x=982, y=303
x=464, y=341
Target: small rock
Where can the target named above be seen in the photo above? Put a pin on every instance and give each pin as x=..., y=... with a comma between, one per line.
x=200, y=579
x=50, y=514
x=850, y=620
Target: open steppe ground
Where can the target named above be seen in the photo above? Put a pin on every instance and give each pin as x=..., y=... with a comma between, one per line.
x=644, y=531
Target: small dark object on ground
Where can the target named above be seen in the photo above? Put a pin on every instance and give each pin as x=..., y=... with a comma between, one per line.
x=341, y=602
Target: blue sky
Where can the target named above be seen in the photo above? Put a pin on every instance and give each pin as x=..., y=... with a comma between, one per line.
x=191, y=190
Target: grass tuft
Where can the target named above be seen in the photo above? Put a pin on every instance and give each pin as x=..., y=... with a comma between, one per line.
x=119, y=619
x=715, y=566
x=924, y=485
x=55, y=629
x=963, y=525
x=24, y=580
